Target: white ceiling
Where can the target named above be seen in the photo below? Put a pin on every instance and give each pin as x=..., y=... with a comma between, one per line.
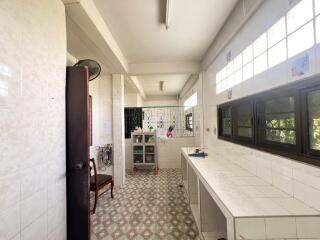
x=135, y=25
x=81, y=47
x=173, y=84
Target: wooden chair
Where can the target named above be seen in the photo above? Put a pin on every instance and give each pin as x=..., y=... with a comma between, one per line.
x=97, y=182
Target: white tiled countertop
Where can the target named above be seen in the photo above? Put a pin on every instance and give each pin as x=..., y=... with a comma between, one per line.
x=243, y=194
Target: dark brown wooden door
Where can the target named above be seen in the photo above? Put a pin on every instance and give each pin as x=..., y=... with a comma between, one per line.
x=78, y=140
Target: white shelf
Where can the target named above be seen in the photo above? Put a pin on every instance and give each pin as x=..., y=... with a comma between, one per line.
x=144, y=145
x=231, y=198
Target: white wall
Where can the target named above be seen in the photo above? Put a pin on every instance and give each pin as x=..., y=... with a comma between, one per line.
x=297, y=179
x=161, y=101
x=32, y=120
x=169, y=151
x=139, y=100
x=101, y=91
x=130, y=100
x=197, y=110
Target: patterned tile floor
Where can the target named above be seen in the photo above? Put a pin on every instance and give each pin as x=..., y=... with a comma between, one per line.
x=148, y=207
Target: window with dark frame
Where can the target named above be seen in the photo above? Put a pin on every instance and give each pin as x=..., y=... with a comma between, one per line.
x=243, y=127
x=277, y=126
x=133, y=117
x=284, y=121
x=225, y=121
x=189, y=122
x=314, y=119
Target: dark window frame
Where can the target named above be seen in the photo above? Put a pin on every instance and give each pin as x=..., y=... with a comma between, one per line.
x=133, y=117
x=220, y=124
x=260, y=121
x=235, y=125
x=307, y=150
x=188, y=127
x=301, y=151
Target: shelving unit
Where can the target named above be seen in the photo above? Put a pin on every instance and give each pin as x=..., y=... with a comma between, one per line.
x=223, y=208
x=144, y=150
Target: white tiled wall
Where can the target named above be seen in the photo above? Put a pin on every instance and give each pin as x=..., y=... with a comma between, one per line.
x=278, y=228
x=32, y=120
x=296, y=179
x=169, y=151
x=197, y=110
x=101, y=91
x=299, y=180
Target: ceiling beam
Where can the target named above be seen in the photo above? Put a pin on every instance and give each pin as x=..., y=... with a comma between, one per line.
x=85, y=14
x=189, y=84
x=135, y=84
x=71, y=60
x=164, y=68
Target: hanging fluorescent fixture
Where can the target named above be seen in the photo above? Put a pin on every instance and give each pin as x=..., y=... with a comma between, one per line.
x=161, y=83
x=168, y=12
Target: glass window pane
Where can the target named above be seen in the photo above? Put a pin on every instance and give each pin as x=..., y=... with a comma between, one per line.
x=261, y=64
x=230, y=81
x=218, y=77
x=314, y=119
x=280, y=120
x=247, y=54
x=244, y=114
x=237, y=62
x=226, y=121
x=260, y=45
x=277, y=53
x=248, y=71
x=238, y=76
x=317, y=7
x=223, y=73
x=281, y=136
x=301, y=40
x=224, y=85
x=318, y=29
x=299, y=15
x=245, y=132
x=283, y=105
x=230, y=68
x=218, y=89
x=277, y=32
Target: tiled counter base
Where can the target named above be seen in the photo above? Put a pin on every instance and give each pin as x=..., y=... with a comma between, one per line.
x=228, y=201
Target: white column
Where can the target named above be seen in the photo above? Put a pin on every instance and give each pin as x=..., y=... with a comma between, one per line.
x=118, y=129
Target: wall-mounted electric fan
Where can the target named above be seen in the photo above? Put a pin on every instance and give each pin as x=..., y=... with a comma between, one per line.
x=93, y=66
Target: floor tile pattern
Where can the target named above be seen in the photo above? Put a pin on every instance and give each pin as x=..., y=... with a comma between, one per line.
x=148, y=207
